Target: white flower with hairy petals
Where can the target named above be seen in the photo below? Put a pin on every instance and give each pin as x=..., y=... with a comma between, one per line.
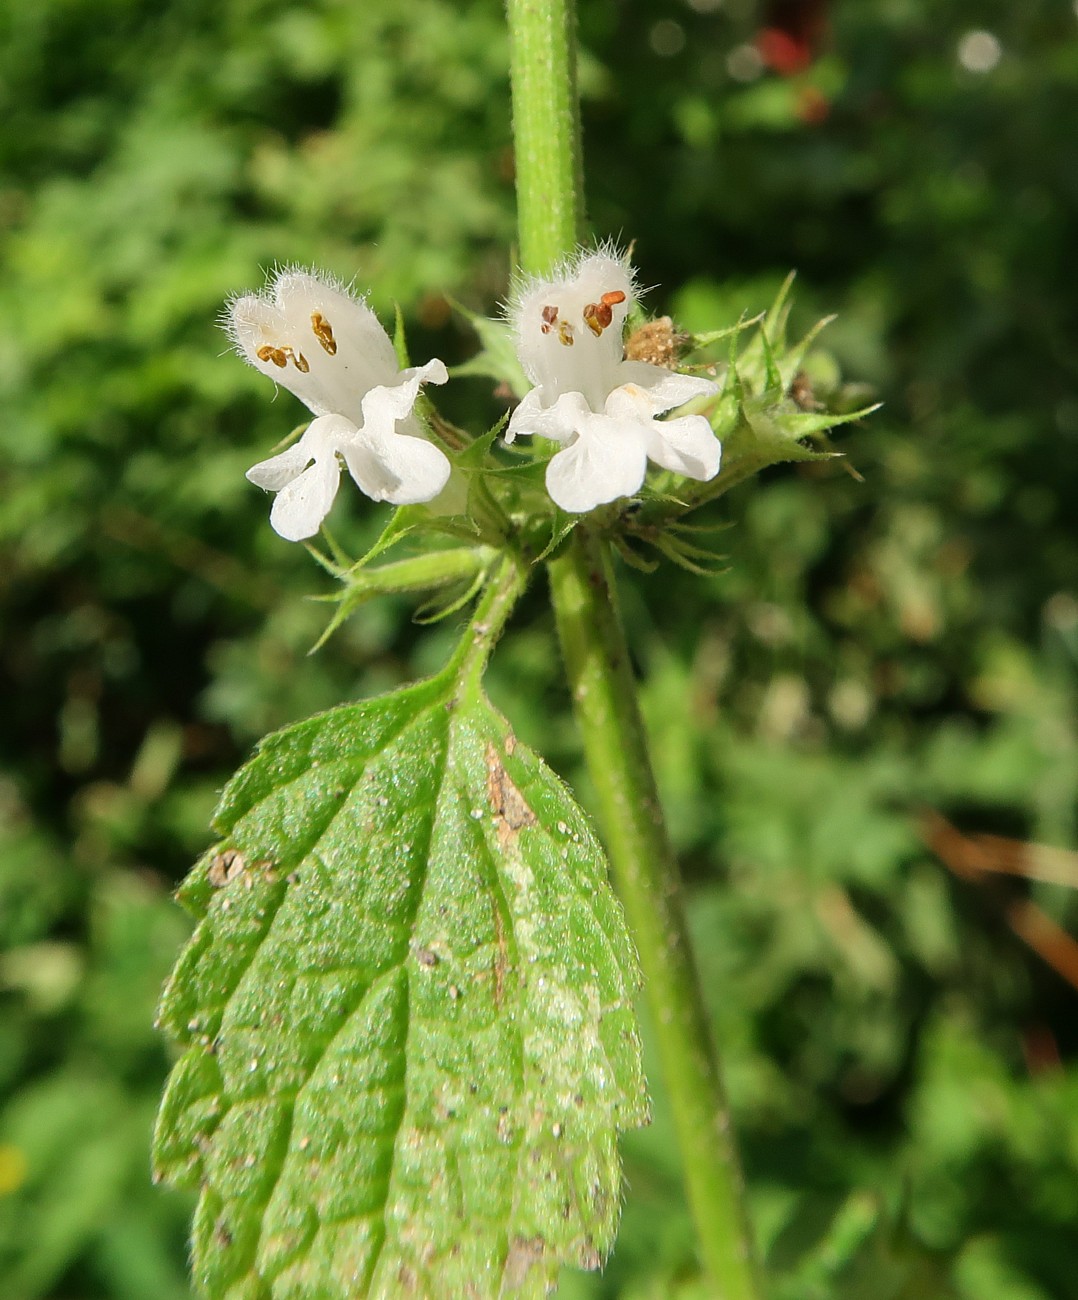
x=603, y=408
x=312, y=336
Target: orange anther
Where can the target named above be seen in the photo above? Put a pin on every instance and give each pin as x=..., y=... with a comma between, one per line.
x=597, y=316
x=323, y=332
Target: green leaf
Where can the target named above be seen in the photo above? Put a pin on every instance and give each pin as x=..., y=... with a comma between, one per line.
x=804, y=425
x=795, y=357
x=730, y=332
x=430, y=571
x=406, y=1013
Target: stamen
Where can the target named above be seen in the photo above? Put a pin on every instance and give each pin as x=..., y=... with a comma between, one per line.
x=323, y=332
x=565, y=334
x=279, y=356
x=550, y=319
x=598, y=315
x=282, y=355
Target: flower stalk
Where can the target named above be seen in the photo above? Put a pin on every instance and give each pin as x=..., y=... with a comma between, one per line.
x=604, y=693
x=506, y=583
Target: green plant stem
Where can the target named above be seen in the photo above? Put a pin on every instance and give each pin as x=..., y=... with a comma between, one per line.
x=646, y=873
x=546, y=129
x=504, y=587
x=547, y=133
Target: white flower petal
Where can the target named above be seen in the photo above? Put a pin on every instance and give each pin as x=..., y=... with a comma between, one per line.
x=559, y=422
x=434, y=372
x=305, y=477
x=687, y=446
x=403, y=468
x=300, y=507
x=607, y=461
x=387, y=409
x=396, y=467
x=319, y=439
x=275, y=473
x=311, y=336
x=665, y=389
x=629, y=403
x=387, y=404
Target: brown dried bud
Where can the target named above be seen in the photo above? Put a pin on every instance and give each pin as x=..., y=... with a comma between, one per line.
x=657, y=343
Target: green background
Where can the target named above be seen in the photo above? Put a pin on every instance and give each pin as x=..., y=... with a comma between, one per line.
x=902, y=1064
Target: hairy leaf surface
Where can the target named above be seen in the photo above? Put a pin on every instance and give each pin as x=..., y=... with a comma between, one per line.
x=407, y=1017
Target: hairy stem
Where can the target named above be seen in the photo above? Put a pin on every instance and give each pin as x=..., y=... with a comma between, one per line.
x=546, y=127
x=647, y=878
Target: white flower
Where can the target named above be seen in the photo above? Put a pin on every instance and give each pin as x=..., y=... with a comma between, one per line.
x=312, y=336
x=604, y=408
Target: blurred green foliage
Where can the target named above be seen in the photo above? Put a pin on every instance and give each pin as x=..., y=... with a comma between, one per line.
x=902, y=1064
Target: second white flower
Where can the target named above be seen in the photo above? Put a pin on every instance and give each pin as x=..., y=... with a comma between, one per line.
x=587, y=396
